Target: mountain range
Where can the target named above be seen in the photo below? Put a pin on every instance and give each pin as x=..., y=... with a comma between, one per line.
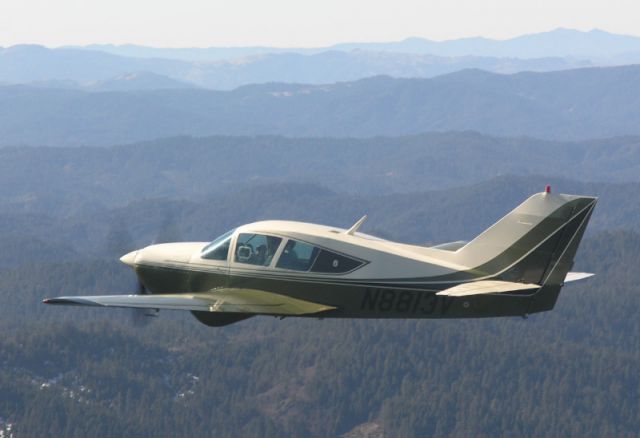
x=226, y=69
x=73, y=68
x=566, y=105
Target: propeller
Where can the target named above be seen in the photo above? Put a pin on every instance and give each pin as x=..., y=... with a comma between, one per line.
x=141, y=317
x=120, y=241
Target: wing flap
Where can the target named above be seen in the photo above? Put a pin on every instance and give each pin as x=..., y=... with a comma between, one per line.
x=483, y=287
x=222, y=300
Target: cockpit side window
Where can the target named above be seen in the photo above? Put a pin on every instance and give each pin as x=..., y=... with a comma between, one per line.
x=219, y=248
x=256, y=249
x=298, y=256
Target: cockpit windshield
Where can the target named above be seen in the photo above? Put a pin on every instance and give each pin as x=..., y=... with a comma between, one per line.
x=219, y=248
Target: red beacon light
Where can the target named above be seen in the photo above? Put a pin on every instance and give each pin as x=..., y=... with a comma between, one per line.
x=547, y=189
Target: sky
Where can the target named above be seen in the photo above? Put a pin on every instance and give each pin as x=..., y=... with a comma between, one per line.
x=298, y=23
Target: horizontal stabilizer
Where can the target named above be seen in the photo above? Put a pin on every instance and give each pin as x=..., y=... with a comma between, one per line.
x=576, y=276
x=486, y=287
x=222, y=300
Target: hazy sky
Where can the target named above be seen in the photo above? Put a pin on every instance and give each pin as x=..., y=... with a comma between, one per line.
x=298, y=22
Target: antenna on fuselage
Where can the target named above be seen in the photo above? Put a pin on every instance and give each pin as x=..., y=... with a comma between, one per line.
x=355, y=227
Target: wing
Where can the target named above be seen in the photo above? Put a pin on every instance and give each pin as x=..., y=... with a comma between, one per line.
x=221, y=300
x=483, y=287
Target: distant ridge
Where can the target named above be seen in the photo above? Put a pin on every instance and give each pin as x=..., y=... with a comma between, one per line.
x=138, y=81
x=572, y=104
x=555, y=43
x=558, y=42
x=124, y=82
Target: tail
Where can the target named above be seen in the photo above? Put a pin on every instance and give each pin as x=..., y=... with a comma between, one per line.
x=535, y=243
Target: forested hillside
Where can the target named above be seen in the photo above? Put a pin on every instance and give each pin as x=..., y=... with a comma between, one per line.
x=45, y=180
x=69, y=371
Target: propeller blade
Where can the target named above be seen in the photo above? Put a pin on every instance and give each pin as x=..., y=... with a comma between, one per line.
x=141, y=317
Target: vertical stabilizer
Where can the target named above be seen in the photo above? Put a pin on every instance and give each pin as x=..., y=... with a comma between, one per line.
x=535, y=243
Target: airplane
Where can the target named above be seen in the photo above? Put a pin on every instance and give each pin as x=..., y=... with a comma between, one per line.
x=292, y=269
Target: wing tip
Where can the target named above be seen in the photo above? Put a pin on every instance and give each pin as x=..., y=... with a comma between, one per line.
x=55, y=301
x=68, y=301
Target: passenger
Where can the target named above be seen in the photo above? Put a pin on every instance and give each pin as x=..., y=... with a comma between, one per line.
x=289, y=257
x=273, y=244
x=261, y=256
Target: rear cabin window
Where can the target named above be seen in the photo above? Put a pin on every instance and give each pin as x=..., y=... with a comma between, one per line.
x=329, y=261
x=256, y=249
x=300, y=256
